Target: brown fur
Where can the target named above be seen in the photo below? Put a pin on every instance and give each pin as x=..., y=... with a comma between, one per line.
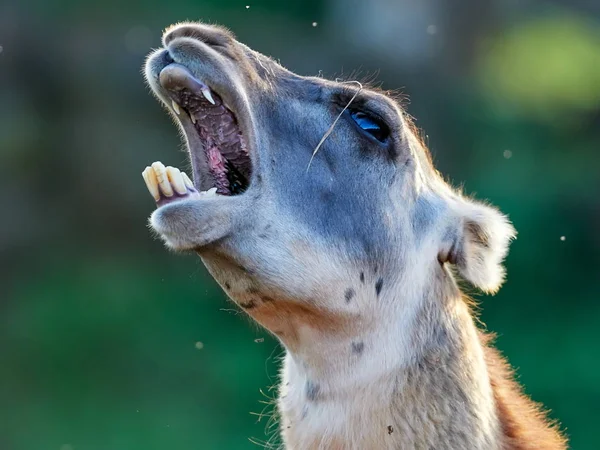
x=286, y=317
x=525, y=424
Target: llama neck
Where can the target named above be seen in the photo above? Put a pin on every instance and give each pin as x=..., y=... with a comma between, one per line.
x=419, y=378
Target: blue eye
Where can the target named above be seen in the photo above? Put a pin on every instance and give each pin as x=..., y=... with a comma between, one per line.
x=371, y=125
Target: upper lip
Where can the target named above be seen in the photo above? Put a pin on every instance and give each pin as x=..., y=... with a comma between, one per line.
x=164, y=86
x=175, y=77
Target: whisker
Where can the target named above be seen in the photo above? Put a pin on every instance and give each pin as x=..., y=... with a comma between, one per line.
x=330, y=130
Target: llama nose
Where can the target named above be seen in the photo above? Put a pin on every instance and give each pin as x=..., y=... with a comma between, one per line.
x=167, y=58
x=209, y=34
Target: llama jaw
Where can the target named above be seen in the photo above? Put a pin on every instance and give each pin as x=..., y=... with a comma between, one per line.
x=211, y=109
x=212, y=131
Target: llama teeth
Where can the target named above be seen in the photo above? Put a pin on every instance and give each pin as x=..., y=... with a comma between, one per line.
x=211, y=192
x=208, y=96
x=175, y=107
x=151, y=182
x=176, y=180
x=193, y=119
x=163, y=179
x=187, y=180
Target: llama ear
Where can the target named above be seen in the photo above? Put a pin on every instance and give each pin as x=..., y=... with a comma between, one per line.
x=477, y=243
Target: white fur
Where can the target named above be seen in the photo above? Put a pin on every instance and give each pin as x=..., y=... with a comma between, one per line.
x=483, y=264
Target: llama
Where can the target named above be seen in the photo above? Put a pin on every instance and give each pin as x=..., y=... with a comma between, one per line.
x=318, y=210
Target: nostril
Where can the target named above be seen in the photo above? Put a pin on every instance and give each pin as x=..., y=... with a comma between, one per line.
x=168, y=58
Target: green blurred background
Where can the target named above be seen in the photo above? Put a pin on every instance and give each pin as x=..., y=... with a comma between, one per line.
x=110, y=342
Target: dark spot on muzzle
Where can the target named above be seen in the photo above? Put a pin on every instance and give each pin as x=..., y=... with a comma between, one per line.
x=378, y=286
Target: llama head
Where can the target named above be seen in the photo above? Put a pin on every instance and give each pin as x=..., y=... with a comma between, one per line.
x=296, y=233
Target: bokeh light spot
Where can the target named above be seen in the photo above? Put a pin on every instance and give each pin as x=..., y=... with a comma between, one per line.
x=544, y=68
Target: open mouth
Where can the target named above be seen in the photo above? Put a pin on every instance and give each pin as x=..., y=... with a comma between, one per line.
x=216, y=127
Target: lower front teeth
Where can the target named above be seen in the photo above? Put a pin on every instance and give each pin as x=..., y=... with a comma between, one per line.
x=164, y=181
x=151, y=182
x=187, y=180
x=176, y=180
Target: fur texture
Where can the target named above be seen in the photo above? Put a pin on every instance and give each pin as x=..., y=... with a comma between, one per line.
x=350, y=263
